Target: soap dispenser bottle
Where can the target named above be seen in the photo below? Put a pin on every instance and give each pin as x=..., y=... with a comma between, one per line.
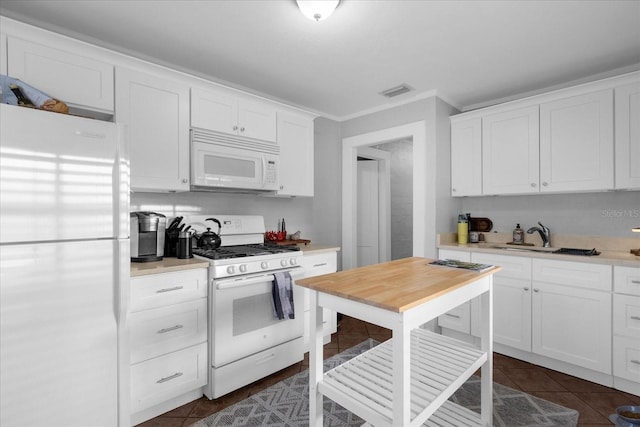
x=518, y=235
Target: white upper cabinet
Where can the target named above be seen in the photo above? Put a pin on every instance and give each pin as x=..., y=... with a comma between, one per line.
x=627, y=131
x=466, y=157
x=510, y=152
x=556, y=142
x=295, y=138
x=225, y=111
x=155, y=111
x=576, y=143
x=74, y=78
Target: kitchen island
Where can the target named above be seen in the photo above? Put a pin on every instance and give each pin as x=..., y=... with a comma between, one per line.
x=408, y=379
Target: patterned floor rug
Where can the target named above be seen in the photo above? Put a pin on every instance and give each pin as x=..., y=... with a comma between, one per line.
x=286, y=404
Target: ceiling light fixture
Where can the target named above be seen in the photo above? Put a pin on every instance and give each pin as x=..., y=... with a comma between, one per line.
x=317, y=10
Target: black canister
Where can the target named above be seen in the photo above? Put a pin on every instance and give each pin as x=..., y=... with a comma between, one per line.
x=183, y=246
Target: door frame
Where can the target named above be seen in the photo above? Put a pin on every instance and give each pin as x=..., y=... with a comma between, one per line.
x=417, y=132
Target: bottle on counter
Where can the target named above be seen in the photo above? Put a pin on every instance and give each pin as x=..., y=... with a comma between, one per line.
x=463, y=229
x=518, y=235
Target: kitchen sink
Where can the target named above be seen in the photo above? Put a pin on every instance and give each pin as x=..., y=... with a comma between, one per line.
x=560, y=251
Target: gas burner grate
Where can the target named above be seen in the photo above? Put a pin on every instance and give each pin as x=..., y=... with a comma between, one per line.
x=239, y=251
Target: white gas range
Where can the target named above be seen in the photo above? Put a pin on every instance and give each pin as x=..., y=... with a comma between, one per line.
x=247, y=341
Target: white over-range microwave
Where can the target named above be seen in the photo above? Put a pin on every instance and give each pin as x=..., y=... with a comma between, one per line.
x=222, y=162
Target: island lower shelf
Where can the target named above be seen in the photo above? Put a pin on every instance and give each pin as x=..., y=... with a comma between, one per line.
x=439, y=366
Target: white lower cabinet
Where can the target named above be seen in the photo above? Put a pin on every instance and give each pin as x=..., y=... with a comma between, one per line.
x=168, y=335
x=572, y=325
x=316, y=264
x=511, y=299
x=558, y=314
x=626, y=329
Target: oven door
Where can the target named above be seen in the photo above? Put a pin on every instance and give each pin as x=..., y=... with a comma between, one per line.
x=221, y=166
x=243, y=319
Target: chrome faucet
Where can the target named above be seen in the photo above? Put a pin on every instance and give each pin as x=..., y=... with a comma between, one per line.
x=545, y=234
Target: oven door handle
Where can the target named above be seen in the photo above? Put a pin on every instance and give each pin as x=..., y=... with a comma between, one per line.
x=253, y=280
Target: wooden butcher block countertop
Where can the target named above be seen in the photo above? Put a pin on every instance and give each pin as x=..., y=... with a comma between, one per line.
x=395, y=285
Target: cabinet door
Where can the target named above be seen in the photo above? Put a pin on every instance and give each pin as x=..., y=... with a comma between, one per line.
x=72, y=78
x=511, y=299
x=572, y=325
x=156, y=114
x=257, y=120
x=627, y=144
x=295, y=138
x=510, y=142
x=466, y=158
x=576, y=143
x=214, y=111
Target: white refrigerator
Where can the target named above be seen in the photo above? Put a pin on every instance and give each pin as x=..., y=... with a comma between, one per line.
x=64, y=270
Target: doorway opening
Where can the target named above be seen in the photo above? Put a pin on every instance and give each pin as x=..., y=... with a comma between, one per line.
x=413, y=134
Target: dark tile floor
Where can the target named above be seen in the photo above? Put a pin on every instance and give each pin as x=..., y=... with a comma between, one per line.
x=593, y=401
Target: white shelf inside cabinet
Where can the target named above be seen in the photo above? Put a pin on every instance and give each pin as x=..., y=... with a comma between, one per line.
x=439, y=366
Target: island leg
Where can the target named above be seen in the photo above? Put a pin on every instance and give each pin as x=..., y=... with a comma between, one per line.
x=486, y=345
x=315, y=361
x=401, y=375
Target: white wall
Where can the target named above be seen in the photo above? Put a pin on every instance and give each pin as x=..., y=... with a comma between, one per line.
x=611, y=214
x=401, y=166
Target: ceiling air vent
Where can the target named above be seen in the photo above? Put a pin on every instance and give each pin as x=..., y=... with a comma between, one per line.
x=398, y=90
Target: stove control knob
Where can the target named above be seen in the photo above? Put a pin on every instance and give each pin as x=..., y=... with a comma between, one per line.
x=293, y=261
x=283, y=262
x=264, y=265
x=243, y=268
x=231, y=269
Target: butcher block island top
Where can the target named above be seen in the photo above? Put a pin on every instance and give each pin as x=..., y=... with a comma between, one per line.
x=395, y=285
x=408, y=379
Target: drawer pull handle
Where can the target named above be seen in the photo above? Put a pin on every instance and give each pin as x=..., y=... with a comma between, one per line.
x=319, y=265
x=170, y=377
x=265, y=359
x=637, y=282
x=637, y=362
x=173, y=328
x=635, y=317
x=452, y=315
x=175, y=288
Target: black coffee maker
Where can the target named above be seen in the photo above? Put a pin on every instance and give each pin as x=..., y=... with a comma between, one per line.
x=147, y=231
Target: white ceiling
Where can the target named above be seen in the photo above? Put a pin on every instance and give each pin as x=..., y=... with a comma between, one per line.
x=468, y=52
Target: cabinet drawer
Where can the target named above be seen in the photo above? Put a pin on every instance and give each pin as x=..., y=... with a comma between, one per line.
x=75, y=79
x=512, y=266
x=626, y=315
x=626, y=358
x=158, y=290
x=318, y=264
x=577, y=274
x=163, y=378
x=454, y=255
x=626, y=280
x=162, y=330
x=458, y=319
x=251, y=368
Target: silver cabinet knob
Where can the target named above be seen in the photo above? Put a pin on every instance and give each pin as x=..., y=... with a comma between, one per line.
x=526, y=288
x=242, y=129
x=185, y=180
x=453, y=190
x=235, y=128
x=536, y=290
x=534, y=185
x=545, y=184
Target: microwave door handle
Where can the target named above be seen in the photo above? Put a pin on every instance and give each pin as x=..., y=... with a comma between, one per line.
x=264, y=171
